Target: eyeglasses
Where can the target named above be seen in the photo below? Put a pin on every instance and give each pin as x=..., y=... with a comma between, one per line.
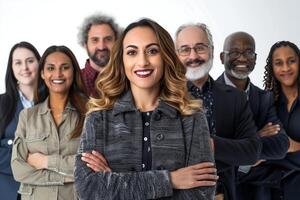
x=236, y=54
x=199, y=49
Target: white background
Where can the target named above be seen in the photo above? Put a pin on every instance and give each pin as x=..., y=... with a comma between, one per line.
x=55, y=22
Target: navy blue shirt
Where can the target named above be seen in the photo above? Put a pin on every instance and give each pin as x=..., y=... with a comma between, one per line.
x=206, y=95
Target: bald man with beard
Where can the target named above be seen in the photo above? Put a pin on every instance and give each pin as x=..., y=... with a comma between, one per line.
x=239, y=59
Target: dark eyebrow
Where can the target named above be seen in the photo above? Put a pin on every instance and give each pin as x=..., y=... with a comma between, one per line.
x=131, y=46
x=147, y=46
x=65, y=64
x=151, y=44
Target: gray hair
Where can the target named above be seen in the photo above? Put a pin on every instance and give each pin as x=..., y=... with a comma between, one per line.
x=96, y=19
x=202, y=26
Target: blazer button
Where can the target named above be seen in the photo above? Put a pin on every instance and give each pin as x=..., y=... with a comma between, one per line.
x=9, y=142
x=160, y=136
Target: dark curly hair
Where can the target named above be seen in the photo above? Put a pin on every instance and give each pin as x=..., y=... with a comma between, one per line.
x=270, y=82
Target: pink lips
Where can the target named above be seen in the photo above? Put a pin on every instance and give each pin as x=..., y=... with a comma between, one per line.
x=143, y=73
x=286, y=75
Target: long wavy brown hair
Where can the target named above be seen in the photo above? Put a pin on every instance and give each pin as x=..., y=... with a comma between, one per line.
x=270, y=81
x=112, y=82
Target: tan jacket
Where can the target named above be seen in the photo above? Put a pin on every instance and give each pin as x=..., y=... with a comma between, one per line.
x=37, y=132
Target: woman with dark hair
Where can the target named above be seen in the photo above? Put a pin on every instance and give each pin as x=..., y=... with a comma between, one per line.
x=21, y=83
x=153, y=135
x=283, y=79
x=47, y=135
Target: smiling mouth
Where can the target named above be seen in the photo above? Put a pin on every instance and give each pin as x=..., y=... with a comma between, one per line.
x=242, y=68
x=58, y=81
x=26, y=74
x=143, y=73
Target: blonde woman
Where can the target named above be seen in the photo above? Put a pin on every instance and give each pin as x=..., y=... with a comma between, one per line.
x=154, y=137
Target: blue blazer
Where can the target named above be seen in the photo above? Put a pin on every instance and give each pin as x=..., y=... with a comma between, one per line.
x=8, y=186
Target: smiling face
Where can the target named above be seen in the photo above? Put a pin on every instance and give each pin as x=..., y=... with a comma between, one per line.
x=239, y=56
x=286, y=66
x=58, y=73
x=142, y=59
x=198, y=61
x=25, y=67
x=101, y=39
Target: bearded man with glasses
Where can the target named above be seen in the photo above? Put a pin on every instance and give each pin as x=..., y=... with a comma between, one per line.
x=239, y=59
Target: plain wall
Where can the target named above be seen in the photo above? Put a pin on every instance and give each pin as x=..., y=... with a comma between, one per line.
x=55, y=22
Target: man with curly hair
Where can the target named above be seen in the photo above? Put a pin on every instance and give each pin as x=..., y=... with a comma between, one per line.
x=97, y=35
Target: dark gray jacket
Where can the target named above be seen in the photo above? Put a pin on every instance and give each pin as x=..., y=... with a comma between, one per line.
x=176, y=141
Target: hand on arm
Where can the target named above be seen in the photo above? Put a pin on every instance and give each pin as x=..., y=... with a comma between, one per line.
x=37, y=160
x=269, y=129
x=96, y=161
x=294, y=146
x=202, y=174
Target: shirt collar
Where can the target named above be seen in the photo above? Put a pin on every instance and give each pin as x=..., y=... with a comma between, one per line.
x=229, y=82
x=44, y=107
x=126, y=104
x=206, y=87
x=25, y=102
x=89, y=69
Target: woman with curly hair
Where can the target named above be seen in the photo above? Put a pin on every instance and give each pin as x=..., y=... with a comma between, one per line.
x=153, y=135
x=283, y=79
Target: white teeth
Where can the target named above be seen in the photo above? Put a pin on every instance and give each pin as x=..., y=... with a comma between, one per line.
x=143, y=72
x=241, y=66
x=58, y=81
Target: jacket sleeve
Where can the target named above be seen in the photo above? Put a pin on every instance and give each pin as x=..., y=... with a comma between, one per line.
x=63, y=165
x=22, y=171
x=275, y=146
x=127, y=185
x=245, y=147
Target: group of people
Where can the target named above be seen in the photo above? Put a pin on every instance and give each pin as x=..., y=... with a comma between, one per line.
x=145, y=120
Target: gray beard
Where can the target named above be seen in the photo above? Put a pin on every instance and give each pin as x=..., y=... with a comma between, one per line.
x=196, y=73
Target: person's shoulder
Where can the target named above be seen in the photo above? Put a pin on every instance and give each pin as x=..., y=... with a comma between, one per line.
x=262, y=93
x=227, y=88
x=98, y=114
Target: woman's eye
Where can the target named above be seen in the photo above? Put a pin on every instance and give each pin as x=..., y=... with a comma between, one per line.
x=31, y=61
x=291, y=61
x=131, y=52
x=152, y=51
x=50, y=68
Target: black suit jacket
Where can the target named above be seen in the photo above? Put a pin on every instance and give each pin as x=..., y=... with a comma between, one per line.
x=263, y=109
x=235, y=141
x=274, y=147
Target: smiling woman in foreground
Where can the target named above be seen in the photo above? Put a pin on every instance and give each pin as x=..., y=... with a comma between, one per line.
x=154, y=136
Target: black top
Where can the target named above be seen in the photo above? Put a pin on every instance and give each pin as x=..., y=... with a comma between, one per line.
x=291, y=123
x=146, y=154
